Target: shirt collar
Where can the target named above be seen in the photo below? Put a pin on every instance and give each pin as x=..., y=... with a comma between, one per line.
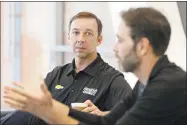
x=71, y=67
x=91, y=69
x=161, y=63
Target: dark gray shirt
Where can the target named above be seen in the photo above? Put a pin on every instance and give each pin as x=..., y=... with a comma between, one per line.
x=162, y=102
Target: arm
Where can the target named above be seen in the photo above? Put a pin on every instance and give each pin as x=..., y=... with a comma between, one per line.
x=156, y=106
x=109, y=119
x=62, y=114
x=161, y=103
x=55, y=112
x=58, y=114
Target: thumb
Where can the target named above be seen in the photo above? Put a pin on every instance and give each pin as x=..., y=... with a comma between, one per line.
x=45, y=91
x=44, y=87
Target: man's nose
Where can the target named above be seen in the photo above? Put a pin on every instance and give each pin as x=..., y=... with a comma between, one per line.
x=81, y=37
x=80, y=41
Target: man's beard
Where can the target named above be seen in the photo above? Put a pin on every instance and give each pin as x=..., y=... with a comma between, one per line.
x=130, y=62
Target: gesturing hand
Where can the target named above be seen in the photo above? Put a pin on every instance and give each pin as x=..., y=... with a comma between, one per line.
x=18, y=98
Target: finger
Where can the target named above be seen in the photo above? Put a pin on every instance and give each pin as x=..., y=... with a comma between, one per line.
x=89, y=109
x=8, y=88
x=96, y=112
x=6, y=91
x=15, y=97
x=17, y=91
x=18, y=85
x=89, y=103
x=14, y=104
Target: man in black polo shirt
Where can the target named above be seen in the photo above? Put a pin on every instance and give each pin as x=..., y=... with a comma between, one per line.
x=88, y=77
x=159, y=99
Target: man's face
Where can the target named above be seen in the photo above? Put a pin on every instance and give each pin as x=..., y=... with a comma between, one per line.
x=125, y=49
x=83, y=37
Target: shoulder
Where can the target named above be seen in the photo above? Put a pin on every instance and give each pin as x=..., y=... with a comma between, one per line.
x=172, y=77
x=108, y=70
x=63, y=68
x=115, y=77
x=54, y=73
x=168, y=86
x=120, y=83
x=166, y=93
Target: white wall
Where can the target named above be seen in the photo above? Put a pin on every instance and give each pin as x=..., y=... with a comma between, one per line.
x=6, y=63
x=177, y=48
x=39, y=34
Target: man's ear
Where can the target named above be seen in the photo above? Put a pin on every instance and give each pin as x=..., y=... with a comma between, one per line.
x=100, y=39
x=143, y=46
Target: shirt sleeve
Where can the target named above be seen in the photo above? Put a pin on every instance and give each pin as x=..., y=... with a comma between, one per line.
x=90, y=119
x=156, y=106
x=50, y=76
x=118, y=90
x=115, y=114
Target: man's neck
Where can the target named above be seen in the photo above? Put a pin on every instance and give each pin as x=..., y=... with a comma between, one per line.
x=82, y=63
x=144, y=70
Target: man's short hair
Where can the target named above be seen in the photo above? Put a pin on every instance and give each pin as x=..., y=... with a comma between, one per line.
x=150, y=23
x=87, y=15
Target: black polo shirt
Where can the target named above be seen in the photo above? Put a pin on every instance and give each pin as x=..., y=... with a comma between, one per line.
x=98, y=82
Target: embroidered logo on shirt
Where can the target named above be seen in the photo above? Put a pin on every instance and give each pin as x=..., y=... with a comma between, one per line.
x=90, y=91
x=59, y=87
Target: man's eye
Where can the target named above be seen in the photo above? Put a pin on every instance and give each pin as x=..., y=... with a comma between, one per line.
x=88, y=34
x=76, y=33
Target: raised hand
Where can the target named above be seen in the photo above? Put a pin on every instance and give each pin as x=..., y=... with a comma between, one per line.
x=18, y=98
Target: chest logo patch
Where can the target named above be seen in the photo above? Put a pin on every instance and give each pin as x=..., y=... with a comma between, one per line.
x=89, y=91
x=59, y=87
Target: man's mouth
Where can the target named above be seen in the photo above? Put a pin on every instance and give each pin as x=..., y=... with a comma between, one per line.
x=79, y=48
x=117, y=57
